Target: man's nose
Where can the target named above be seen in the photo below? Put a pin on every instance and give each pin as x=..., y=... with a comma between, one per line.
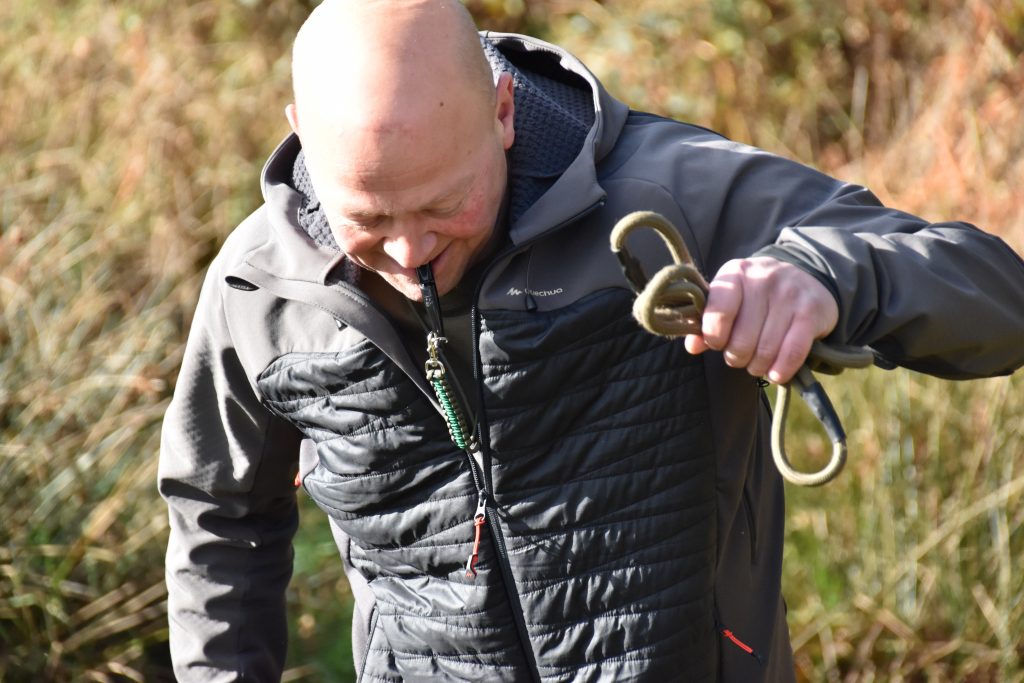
x=410, y=247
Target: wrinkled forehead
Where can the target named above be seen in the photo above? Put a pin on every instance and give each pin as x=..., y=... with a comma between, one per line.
x=408, y=149
x=401, y=169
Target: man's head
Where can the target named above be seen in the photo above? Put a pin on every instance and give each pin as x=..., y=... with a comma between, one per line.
x=404, y=132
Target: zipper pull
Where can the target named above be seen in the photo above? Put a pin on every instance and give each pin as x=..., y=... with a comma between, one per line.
x=739, y=643
x=430, y=299
x=479, y=518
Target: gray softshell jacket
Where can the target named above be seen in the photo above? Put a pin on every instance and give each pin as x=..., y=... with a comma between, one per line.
x=633, y=514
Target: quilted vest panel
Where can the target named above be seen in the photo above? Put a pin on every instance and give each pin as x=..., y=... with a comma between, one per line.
x=602, y=479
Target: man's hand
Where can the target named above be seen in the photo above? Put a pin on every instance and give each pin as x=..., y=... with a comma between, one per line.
x=764, y=314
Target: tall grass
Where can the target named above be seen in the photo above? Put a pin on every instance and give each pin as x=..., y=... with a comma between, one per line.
x=906, y=567
x=131, y=135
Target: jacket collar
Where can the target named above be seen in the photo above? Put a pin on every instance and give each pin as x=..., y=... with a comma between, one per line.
x=576, y=189
x=289, y=253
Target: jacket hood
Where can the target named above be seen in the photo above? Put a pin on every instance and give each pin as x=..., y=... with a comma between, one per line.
x=552, y=174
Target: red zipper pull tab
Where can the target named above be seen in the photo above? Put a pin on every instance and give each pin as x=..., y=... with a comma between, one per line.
x=479, y=518
x=739, y=643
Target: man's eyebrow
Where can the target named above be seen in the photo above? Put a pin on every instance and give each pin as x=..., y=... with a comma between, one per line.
x=356, y=214
x=458, y=191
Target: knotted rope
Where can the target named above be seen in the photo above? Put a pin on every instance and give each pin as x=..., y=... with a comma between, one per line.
x=671, y=304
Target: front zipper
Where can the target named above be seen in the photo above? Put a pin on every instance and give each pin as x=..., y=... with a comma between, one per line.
x=486, y=511
x=437, y=371
x=437, y=365
x=484, y=444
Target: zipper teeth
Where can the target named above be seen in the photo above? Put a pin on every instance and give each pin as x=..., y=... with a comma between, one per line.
x=513, y=596
x=491, y=511
x=477, y=481
x=484, y=445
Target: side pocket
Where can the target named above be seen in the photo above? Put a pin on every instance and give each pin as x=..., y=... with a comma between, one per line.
x=370, y=631
x=747, y=500
x=728, y=639
x=748, y=510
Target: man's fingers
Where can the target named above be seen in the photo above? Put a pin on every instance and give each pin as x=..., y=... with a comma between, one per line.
x=725, y=296
x=735, y=312
x=695, y=344
x=746, y=328
x=773, y=333
x=763, y=315
x=793, y=351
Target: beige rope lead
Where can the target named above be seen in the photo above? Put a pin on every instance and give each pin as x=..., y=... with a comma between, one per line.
x=671, y=304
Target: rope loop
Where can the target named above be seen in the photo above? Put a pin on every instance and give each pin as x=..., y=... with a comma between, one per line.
x=671, y=304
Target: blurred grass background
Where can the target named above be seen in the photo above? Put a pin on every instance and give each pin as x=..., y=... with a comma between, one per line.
x=131, y=137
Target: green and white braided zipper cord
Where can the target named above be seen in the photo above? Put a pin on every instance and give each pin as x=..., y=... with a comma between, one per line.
x=453, y=413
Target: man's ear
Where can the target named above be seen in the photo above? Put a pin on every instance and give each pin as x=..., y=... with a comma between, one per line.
x=292, y=114
x=505, y=109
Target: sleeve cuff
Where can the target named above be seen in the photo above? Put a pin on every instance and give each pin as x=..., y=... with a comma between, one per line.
x=780, y=253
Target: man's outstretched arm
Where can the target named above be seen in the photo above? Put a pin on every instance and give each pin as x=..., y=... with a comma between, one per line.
x=941, y=298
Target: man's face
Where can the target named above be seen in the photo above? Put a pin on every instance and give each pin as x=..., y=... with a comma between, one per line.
x=429, y=192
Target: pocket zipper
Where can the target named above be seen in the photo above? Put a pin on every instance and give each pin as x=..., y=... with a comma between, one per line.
x=734, y=639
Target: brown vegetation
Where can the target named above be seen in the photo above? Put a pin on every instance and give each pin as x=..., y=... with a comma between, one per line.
x=131, y=136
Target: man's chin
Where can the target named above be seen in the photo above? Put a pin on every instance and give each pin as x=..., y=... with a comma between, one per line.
x=406, y=287
x=410, y=289
x=409, y=286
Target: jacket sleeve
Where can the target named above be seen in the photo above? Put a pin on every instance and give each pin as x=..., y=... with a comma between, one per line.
x=941, y=298
x=226, y=467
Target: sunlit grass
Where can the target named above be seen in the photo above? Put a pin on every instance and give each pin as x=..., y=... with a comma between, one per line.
x=131, y=137
x=906, y=565
x=118, y=178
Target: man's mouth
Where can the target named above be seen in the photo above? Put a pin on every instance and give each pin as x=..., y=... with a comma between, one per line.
x=438, y=262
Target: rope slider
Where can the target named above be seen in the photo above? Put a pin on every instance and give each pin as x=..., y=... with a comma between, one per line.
x=671, y=304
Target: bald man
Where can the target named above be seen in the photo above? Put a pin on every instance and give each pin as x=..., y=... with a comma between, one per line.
x=424, y=329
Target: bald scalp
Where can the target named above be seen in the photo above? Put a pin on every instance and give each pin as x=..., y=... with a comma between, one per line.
x=379, y=63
